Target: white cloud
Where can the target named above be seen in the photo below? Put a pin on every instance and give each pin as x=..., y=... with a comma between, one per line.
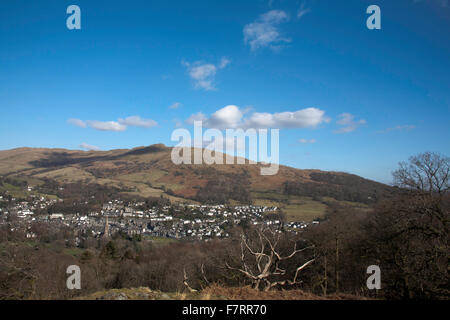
x=304, y=118
x=227, y=117
x=175, y=105
x=348, y=123
x=203, y=74
x=119, y=125
x=77, y=122
x=305, y=141
x=89, y=147
x=232, y=117
x=264, y=31
x=106, y=125
x=137, y=121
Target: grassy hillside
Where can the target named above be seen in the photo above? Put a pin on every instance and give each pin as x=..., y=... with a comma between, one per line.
x=149, y=172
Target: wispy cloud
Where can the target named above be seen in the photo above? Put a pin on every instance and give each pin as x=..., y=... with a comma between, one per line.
x=106, y=125
x=120, y=125
x=89, y=147
x=203, y=74
x=348, y=123
x=199, y=116
x=77, y=122
x=137, y=121
x=178, y=123
x=264, y=32
x=405, y=127
x=232, y=116
x=175, y=105
x=306, y=141
x=224, y=62
x=302, y=10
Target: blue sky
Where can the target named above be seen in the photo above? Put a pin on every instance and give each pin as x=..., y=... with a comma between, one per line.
x=361, y=100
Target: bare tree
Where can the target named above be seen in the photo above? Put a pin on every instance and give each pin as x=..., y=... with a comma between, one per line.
x=185, y=281
x=261, y=259
x=410, y=232
x=428, y=172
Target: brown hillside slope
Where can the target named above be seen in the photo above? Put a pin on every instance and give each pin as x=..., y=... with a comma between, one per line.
x=149, y=171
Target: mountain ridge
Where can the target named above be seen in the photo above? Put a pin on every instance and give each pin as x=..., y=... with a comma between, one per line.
x=147, y=171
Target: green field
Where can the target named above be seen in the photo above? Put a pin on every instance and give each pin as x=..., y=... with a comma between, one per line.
x=21, y=193
x=296, y=208
x=299, y=208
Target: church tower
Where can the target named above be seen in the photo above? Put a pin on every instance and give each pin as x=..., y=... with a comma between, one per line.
x=106, y=230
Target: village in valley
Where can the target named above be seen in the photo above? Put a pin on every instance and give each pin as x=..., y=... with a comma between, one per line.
x=131, y=219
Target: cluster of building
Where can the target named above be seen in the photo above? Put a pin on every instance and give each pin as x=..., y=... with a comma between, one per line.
x=23, y=209
x=201, y=222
